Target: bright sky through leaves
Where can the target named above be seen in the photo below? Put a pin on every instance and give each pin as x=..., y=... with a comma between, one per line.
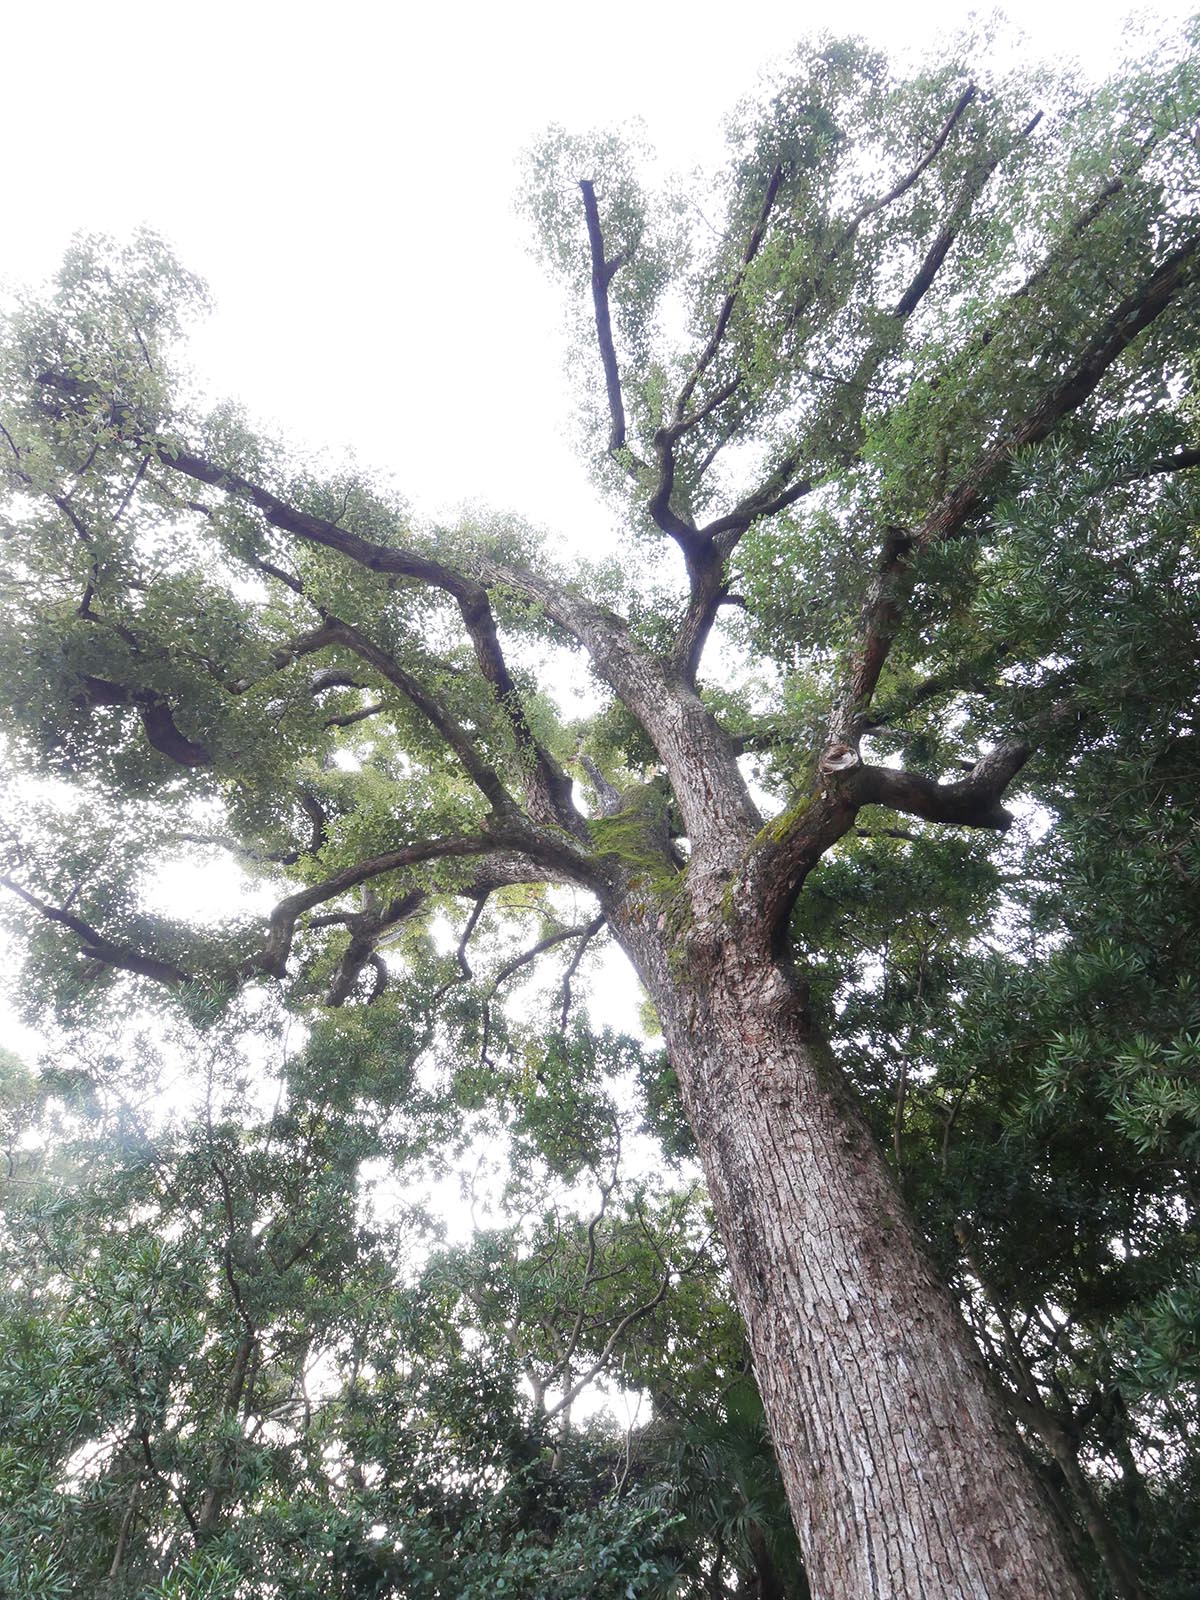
x=344, y=178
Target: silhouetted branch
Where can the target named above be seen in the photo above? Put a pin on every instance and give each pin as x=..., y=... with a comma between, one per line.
x=97, y=947
x=602, y=275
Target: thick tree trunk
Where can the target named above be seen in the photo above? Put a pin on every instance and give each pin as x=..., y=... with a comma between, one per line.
x=904, y=1474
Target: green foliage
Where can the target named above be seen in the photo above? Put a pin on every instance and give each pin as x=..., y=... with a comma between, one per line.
x=388, y=1432
x=241, y=1354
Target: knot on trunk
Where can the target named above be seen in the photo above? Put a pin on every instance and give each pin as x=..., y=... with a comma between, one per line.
x=838, y=758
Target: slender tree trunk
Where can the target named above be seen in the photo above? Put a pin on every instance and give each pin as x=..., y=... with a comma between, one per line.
x=904, y=1474
x=213, y=1500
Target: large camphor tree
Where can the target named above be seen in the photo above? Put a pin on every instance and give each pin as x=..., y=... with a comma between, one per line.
x=899, y=438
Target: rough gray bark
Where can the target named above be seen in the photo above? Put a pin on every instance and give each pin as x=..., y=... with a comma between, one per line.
x=905, y=1476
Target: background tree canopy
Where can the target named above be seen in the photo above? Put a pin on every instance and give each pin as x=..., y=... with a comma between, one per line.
x=906, y=440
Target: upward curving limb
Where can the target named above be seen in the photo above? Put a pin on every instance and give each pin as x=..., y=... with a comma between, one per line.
x=603, y=270
x=776, y=869
x=787, y=850
x=883, y=607
x=695, y=544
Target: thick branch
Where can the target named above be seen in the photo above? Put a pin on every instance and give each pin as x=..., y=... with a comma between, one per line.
x=602, y=274
x=273, y=957
x=221, y=841
x=660, y=508
x=1182, y=461
x=537, y=856
x=780, y=489
x=157, y=718
x=716, y=807
x=885, y=599
x=683, y=732
x=973, y=801
x=96, y=947
x=879, y=622
x=347, y=719
x=931, y=155
x=788, y=849
x=365, y=932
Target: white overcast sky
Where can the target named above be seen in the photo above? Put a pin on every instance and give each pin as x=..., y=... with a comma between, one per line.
x=343, y=176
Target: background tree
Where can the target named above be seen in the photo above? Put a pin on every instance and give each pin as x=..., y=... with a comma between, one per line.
x=922, y=453
x=222, y=1365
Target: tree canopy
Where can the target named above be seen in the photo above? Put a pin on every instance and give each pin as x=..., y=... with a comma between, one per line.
x=889, y=739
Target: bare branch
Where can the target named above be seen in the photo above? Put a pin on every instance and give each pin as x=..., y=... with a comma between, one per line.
x=221, y=841
x=273, y=957
x=365, y=931
x=334, y=678
x=460, y=954
x=563, y=1364
x=589, y=933
x=610, y=1344
x=602, y=274
x=659, y=505
x=527, y=957
x=464, y=973
x=778, y=491
x=931, y=155
x=973, y=801
x=376, y=961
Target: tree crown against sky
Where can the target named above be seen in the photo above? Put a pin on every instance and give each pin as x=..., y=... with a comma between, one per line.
x=903, y=411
